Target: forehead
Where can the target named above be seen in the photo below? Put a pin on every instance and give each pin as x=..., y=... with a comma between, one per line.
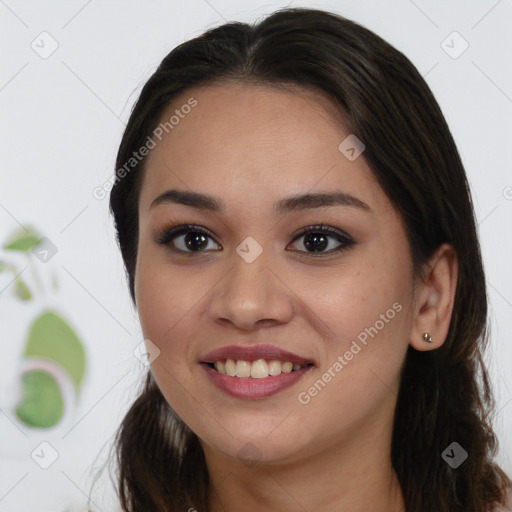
x=241, y=141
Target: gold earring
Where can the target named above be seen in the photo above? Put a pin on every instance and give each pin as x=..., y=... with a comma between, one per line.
x=427, y=337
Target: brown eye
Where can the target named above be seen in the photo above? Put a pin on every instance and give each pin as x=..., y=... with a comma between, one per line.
x=195, y=239
x=316, y=239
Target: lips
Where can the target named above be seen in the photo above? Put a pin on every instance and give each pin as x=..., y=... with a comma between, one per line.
x=246, y=384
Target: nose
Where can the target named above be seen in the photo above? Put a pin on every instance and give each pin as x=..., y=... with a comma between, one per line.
x=251, y=295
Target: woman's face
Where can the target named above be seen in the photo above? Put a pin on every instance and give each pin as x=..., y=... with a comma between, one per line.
x=254, y=286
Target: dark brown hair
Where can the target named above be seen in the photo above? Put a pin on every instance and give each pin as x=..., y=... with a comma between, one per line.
x=445, y=394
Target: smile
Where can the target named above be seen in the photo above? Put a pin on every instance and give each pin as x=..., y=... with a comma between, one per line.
x=258, y=369
x=254, y=371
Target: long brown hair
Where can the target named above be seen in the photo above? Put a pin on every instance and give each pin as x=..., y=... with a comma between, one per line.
x=445, y=394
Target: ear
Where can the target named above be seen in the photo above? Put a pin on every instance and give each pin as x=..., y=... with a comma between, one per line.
x=435, y=296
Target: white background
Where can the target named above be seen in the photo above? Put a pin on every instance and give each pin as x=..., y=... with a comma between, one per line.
x=61, y=124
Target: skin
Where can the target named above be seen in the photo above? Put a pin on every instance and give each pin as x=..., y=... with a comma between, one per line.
x=251, y=146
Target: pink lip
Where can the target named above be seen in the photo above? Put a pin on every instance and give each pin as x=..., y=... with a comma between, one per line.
x=254, y=389
x=253, y=353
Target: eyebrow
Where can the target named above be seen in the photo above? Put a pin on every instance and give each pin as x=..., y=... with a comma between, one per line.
x=286, y=205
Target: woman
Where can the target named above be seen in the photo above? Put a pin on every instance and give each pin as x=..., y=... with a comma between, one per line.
x=300, y=244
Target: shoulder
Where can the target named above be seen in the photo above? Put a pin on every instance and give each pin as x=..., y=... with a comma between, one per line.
x=508, y=506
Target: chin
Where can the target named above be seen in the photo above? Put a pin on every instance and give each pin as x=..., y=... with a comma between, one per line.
x=256, y=443
x=251, y=451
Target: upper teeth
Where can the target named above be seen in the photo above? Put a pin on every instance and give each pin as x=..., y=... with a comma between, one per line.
x=257, y=369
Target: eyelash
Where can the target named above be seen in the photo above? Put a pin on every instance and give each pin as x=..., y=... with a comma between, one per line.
x=169, y=232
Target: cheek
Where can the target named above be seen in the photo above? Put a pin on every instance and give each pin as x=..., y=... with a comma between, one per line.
x=165, y=300
x=356, y=296
x=369, y=312
x=165, y=306
x=371, y=316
